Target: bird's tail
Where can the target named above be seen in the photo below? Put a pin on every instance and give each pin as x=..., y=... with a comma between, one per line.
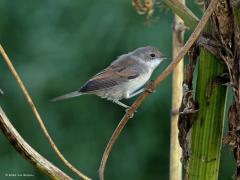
x=67, y=96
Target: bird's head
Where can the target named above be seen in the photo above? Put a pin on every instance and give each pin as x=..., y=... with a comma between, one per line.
x=152, y=56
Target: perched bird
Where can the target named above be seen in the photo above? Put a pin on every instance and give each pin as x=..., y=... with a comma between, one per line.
x=123, y=78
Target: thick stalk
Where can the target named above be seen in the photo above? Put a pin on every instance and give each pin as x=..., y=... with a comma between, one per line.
x=175, y=149
x=206, y=134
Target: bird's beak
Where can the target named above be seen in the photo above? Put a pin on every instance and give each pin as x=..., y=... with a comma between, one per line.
x=163, y=58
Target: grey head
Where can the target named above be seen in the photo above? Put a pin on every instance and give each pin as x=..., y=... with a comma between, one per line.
x=149, y=53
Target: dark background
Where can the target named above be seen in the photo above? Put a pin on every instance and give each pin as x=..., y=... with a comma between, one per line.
x=56, y=46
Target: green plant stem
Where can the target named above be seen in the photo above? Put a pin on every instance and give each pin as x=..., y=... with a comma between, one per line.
x=206, y=133
x=189, y=18
x=236, y=12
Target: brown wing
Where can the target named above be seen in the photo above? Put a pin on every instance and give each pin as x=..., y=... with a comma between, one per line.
x=114, y=75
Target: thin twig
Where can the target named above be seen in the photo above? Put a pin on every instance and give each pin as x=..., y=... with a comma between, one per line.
x=192, y=39
x=40, y=121
x=38, y=161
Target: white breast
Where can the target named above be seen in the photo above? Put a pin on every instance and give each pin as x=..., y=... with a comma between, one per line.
x=138, y=82
x=154, y=63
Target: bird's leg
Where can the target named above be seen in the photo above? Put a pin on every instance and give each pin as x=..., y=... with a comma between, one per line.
x=137, y=92
x=121, y=104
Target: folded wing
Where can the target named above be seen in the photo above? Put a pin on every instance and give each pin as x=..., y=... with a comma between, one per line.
x=116, y=74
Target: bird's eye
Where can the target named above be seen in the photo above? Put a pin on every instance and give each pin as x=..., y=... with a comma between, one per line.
x=152, y=55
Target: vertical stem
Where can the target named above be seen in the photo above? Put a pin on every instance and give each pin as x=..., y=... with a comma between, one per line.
x=234, y=113
x=175, y=149
x=206, y=135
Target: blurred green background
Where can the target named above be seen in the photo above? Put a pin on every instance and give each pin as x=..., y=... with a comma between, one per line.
x=56, y=46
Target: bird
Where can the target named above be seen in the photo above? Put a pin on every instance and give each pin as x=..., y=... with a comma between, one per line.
x=124, y=78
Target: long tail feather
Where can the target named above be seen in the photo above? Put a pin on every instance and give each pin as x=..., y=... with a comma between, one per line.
x=67, y=96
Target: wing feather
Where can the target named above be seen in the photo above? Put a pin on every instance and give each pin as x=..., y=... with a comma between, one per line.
x=117, y=73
